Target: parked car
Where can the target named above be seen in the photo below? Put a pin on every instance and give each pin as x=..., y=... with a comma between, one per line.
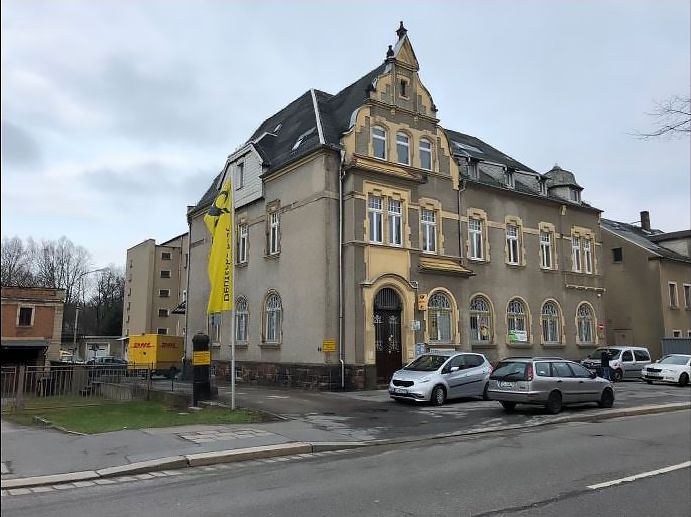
x=549, y=381
x=439, y=376
x=674, y=368
x=109, y=362
x=625, y=362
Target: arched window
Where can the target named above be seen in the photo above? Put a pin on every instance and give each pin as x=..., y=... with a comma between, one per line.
x=480, y=320
x=403, y=148
x=242, y=316
x=272, y=318
x=517, y=322
x=550, y=323
x=425, y=154
x=379, y=142
x=439, y=314
x=584, y=316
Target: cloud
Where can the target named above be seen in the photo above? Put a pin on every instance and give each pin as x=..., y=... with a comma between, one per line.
x=19, y=148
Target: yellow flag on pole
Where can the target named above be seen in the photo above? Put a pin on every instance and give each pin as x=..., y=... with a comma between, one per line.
x=219, y=221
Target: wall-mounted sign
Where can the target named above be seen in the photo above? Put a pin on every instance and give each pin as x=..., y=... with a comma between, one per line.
x=518, y=336
x=415, y=325
x=201, y=358
x=329, y=345
x=419, y=349
x=422, y=302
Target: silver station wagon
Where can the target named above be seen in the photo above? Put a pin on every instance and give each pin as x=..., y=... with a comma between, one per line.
x=438, y=376
x=549, y=381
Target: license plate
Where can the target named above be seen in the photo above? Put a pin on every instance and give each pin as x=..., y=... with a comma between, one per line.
x=648, y=376
x=507, y=384
x=400, y=391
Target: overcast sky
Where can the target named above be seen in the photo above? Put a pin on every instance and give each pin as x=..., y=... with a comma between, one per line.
x=117, y=115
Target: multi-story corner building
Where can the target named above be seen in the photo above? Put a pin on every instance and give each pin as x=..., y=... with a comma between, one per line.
x=31, y=325
x=366, y=232
x=648, y=282
x=155, y=286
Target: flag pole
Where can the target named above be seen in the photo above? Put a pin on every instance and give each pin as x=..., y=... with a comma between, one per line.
x=232, y=312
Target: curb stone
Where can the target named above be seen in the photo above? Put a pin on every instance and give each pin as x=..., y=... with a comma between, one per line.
x=293, y=448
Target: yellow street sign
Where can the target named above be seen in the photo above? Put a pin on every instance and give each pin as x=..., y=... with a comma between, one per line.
x=329, y=345
x=201, y=358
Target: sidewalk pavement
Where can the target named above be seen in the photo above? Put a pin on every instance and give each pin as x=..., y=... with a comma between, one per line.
x=35, y=457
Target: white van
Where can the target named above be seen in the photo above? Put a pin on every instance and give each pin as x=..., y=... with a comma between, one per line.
x=626, y=362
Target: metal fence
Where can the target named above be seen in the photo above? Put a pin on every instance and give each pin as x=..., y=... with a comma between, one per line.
x=33, y=386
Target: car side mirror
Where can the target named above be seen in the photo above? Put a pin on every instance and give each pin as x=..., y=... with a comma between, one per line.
x=454, y=369
x=593, y=375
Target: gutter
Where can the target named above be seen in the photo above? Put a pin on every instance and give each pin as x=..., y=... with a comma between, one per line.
x=461, y=189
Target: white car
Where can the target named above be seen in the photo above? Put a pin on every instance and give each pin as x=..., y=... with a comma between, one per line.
x=674, y=368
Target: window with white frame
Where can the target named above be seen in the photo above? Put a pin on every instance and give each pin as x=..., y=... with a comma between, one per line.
x=480, y=320
x=429, y=230
x=512, y=244
x=551, y=323
x=274, y=233
x=239, y=176
x=242, y=243
x=272, y=318
x=473, y=169
x=403, y=148
x=587, y=255
x=676, y=333
x=585, y=323
x=242, y=317
x=542, y=185
x=374, y=208
x=439, y=317
x=673, y=300
x=509, y=179
x=576, y=253
x=476, y=239
x=546, y=250
x=395, y=222
x=425, y=154
x=379, y=142
x=575, y=195
x=687, y=296
x=516, y=319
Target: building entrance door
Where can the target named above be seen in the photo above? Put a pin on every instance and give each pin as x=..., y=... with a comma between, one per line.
x=387, y=334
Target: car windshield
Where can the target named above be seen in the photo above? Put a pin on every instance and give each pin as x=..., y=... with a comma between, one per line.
x=674, y=359
x=427, y=363
x=509, y=370
x=613, y=353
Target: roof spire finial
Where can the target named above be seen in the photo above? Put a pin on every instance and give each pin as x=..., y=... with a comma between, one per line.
x=401, y=31
x=389, y=53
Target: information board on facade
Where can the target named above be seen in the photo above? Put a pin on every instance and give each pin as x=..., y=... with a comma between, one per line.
x=329, y=345
x=201, y=358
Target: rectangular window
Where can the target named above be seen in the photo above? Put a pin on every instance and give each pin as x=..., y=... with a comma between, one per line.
x=588, y=255
x=374, y=208
x=165, y=255
x=475, y=236
x=163, y=293
x=404, y=89
x=165, y=273
x=162, y=313
x=510, y=180
x=512, y=244
x=673, y=301
x=429, y=231
x=402, y=149
x=395, y=223
x=546, y=250
x=273, y=233
x=542, y=187
x=576, y=253
x=241, y=327
x=617, y=255
x=239, y=176
x=162, y=330
x=575, y=195
x=687, y=296
x=379, y=142
x=676, y=333
x=242, y=244
x=25, y=316
x=425, y=154
x=473, y=171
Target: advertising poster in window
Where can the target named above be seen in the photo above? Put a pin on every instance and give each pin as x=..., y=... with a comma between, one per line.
x=518, y=336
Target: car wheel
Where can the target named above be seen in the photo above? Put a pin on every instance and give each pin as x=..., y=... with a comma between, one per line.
x=606, y=399
x=438, y=396
x=508, y=406
x=683, y=379
x=618, y=375
x=554, y=403
x=485, y=395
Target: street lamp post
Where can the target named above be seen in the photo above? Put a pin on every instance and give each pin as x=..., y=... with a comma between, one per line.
x=76, y=308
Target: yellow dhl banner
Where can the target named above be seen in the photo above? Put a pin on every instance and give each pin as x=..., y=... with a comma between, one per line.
x=219, y=221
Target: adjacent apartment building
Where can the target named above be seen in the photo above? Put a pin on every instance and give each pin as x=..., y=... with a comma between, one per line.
x=155, y=286
x=367, y=232
x=31, y=325
x=648, y=282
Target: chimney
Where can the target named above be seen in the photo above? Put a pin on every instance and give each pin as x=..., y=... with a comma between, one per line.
x=645, y=220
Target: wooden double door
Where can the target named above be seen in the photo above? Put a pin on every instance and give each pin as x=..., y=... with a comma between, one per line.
x=387, y=334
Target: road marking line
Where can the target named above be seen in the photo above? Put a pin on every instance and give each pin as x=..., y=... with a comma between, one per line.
x=642, y=475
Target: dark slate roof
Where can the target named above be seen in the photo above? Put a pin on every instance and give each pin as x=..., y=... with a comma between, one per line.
x=671, y=236
x=558, y=177
x=476, y=148
x=643, y=238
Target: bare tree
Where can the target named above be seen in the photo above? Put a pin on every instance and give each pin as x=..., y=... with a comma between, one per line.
x=103, y=312
x=15, y=264
x=60, y=264
x=673, y=118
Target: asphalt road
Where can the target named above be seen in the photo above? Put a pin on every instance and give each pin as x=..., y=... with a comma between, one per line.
x=367, y=415
x=549, y=471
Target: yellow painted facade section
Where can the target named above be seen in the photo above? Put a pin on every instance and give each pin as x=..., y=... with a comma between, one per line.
x=381, y=260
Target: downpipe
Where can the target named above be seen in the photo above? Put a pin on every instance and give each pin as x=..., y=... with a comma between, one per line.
x=341, y=349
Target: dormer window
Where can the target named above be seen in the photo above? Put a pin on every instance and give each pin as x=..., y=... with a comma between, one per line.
x=575, y=195
x=542, y=185
x=278, y=127
x=473, y=170
x=403, y=148
x=302, y=138
x=379, y=142
x=403, y=88
x=509, y=179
